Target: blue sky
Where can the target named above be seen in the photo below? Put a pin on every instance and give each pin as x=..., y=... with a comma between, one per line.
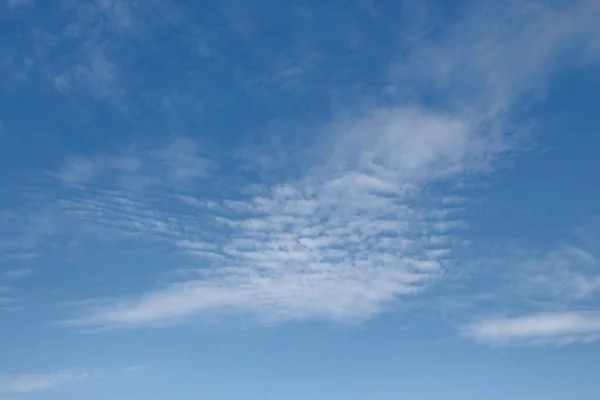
x=287, y=200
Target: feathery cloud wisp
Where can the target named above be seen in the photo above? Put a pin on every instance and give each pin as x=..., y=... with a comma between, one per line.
x=27, y=383
x=501, y=51
x=544, y=328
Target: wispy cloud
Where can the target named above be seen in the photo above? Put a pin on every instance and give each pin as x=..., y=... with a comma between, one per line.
x=371, y=212
x=135, y=368
x=543, y=278
x=569, y=272
x=340, y=242
x=546, y=328
x=533, y=284
x=473, y=61
x=184, y=162
x=179, y=162
x=27, y=383
x=118, y=12
x=349, y=235
x=78, y=170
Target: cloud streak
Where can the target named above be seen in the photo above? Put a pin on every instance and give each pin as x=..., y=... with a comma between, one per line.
x=544, y=328
x=29, y=383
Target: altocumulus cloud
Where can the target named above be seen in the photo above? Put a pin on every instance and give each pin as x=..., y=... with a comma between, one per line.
x=371, y=212
x=363, y=224
x=338, y=242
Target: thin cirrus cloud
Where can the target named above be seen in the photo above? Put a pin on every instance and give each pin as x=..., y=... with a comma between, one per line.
x=473, y=62
x=534, y=285
x=555, y=278
x=24, y=384
x=178, y=162
x=568, y=272
x=29, y=383
x=543, y=328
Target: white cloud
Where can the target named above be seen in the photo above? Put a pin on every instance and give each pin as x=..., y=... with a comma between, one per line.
x=544, y=328
x=569, y=272
x=98, y=74
x=341, y=242
x=62, y=83
x=499, y=51
x=416, y=144
x=94, y=72
x=183, y=160
x=135, y=368
x=360, y=227
x=126, y=163
x=565, y=278
x=357, y=226
x=27, y=383
x=179, y=162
